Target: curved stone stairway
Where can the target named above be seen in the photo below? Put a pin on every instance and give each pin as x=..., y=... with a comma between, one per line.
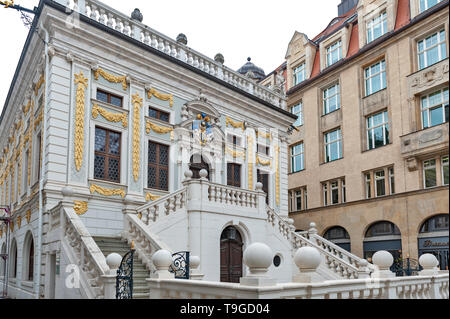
x=110, y=245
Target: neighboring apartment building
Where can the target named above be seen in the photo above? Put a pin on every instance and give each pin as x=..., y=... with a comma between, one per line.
x=369, y=156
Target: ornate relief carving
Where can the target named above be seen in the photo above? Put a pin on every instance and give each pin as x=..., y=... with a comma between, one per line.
x=27, y=107
x=111, y=117
x=19, y=221
x=106, y=191
x=38, y=119
x=161, y=96
x=250, y=161
x=111, y=78
x=11, y=226
x=137, y=103
x=39, y=84
x=429, y=76
x=234, y=153
x=262, y=162
x=151, y=197
x=159, y=129
x=28, y=216
x=80, y=207
x=411, y=163
x=235, y=124
x=430, y=136
x=82, y=84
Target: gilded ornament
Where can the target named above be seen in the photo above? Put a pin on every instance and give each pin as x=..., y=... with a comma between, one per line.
x=111, y=78
x=137, y=102
x=111, y=117
x=28, y=216
x=1, y=232
x=82, y=84
x=161, y=96
x=159, y=129
x=277, y=174
x=250, y=161
x=38, y=119
x=19, y=221
x=139, y=215
x=151, y=197
x=262, y=162
x=11, y=226
x=264, y=135
x=39, y=84
x=234, y=153
x=106, y=191
x=80, y=207
x=235, y=124
x=27, y=107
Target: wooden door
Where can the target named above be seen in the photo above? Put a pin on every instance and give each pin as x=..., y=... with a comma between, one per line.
x=230, y=255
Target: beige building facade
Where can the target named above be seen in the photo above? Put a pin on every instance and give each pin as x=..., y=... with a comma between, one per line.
x=369, y=155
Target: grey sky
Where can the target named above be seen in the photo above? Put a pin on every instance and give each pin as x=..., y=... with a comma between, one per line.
x=260, y=29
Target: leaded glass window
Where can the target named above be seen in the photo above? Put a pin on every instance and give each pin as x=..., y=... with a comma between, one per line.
x=110, y=98
x=234, y=174
x=158, y=166
x=107, y=155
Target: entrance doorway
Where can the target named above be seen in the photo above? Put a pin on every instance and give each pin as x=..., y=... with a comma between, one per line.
x=196, y=164
x=433, y=239
x=230, y=255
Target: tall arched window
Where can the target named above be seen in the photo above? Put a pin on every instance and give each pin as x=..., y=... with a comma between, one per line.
x=13, y=260
x=28, y=258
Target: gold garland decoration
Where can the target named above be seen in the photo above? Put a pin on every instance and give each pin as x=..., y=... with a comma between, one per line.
x=161, y=96
x=262, y=162
x=11, y=226
x=80, y=207
x=21, y=146
x=264, y=135
x=30, y=147
x=12, y=182
x=250, y=162
x=39, y=84
x=111, y=117
x=277, y=174
x=111, y=78
x=235, y=124
x=28, y=216
x=82, y=84
x=151, y=197
x=38, y=119
x=106, y=191
x=235, y=153
x=137, y=102
x=159, y=129
x=19, y=221
x=27, y=107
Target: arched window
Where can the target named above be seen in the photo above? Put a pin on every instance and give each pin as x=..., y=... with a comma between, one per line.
x=433, y=239
x=435, y=224
x=28, y=257
x=383, y=228
x=339, y=236
x=13, y=260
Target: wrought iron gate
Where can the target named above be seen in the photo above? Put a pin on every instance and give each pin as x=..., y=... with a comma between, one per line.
x=180, y=265
x=406, y=267
x=124, y=278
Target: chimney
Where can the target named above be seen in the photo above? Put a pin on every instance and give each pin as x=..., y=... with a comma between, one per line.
x=345, y=6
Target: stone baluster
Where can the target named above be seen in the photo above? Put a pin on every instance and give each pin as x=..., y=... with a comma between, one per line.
x=126, y=28
x=93, y=14
x=101, y=17
x=154, y=42
x=190, y=60
x=147, y=38
x=118, y=24
x=110, y=20
x=166, y=47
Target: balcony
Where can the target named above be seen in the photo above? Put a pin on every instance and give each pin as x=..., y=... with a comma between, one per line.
x=427, y=78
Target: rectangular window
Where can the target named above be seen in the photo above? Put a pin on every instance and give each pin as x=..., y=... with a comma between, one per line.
x=333, y=147
x=334, y=52
x=263, y=149
x=331, y=99
x=25, y=172
x=38, y=156
x=297, y=158
x=263, y=178
x=158, y=166
x=444, y=165
x=298, y=110
x=391, y=180
x=429, y=173
x=435, y=108
x=110, y=98
x=432, y=49
x=299, y=74
x=426, y=4
x=107, y=155
x=233, y=139
x=377, y=130
x=344, y=198
x=377, y=27
x=368, y=186
x=234, y=174
x=157, y=114
x=334, y=193
x=325, y=194
x=300, y=199
x=380, y=185
x=375, y=77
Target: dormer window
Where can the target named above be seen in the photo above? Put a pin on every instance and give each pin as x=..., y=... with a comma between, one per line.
x=299, y=74
x=426, y=4
x=334, y=52
x=377, y=27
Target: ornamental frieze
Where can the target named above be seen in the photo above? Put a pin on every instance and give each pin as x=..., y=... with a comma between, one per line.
x=428, y=77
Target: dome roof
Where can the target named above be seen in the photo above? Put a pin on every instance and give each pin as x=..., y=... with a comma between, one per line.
x=252, y=71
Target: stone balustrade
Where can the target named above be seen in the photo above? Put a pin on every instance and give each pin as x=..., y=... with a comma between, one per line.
x=120, y=22
x=232, y=195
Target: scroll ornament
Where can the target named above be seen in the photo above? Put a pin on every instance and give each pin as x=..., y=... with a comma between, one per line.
x=80, y=207
x=82, y=84
x=111, y=78
x=137, y=102
x=151, y=197
x=106, y=191
x=159, y=129
x=161, y=96
x=235, y=124
x=111, y=117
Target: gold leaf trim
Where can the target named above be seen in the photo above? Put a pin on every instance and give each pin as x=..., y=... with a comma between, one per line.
x=38, y=119
x=11, y=226
x=39, y=84
x=111, y=78
x=234, y=153
x=250, y=162
x=80, y=207
x=27, y=107
x=137, y=102
x=264, y=135
x=277, y=174
x=106, y=191
x=28, y=216
x=82, y=84
x=151, y=197
x=235, y=124
x=161, y=96
x=159, y=129
x=109, y=116
x=139, y=215
x=262, y=162
x=19, y=221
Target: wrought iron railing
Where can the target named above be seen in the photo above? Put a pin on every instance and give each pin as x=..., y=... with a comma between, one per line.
x=124, y=278
x=180, y=265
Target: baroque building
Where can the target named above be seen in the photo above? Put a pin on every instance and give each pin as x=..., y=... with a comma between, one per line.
x=368, y=159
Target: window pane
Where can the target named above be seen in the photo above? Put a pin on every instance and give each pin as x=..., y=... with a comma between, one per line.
x=334, y=196
x=378, y=136
x=380, y=187
x=436, y=116
x=163, y=179
x=113, y=169
x=99, y=167
x=114, y=143
x=153, y=113
x=164, y=117
x=430, y=177
x=117, y=101
x=100, y=140
x=102, y=96
x=151, y=177
x=152, y=152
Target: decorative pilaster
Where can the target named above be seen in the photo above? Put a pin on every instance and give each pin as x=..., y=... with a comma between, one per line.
x=277, y=174
x=137, y=104
x=250, y=161
x=82, y=84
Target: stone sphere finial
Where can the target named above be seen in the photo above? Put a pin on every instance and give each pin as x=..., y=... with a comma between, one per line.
x=203, y=173
x=259, y=186
x=258, y=257
x=137, y=15
x=194, y=262
x=428, y=261
x=383, y=259
x=188, y=174
x=219, y=58
x=113, y=260
x=181, y=38
x=162, y=259
x=307, y=259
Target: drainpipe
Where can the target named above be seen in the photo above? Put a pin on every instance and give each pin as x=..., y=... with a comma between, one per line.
x=41, y=180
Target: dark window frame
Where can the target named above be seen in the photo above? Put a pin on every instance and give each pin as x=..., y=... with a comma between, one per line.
x=107, y=156
x=108, y=97
x=158, y=166
x=231, y=167
x=158, y=114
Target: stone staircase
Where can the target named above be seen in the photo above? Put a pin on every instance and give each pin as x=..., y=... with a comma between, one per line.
x=110, y=245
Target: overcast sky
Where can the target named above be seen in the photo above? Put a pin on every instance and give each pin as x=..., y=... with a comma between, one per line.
x=260, y=29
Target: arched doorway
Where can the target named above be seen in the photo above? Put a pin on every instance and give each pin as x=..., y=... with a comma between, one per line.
x=383, y=235
x=339, y=236
x=3, y=261
x=433, y=239
x=13, y=260
x=28, y=258
x=230, y=255
x=196, y=164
